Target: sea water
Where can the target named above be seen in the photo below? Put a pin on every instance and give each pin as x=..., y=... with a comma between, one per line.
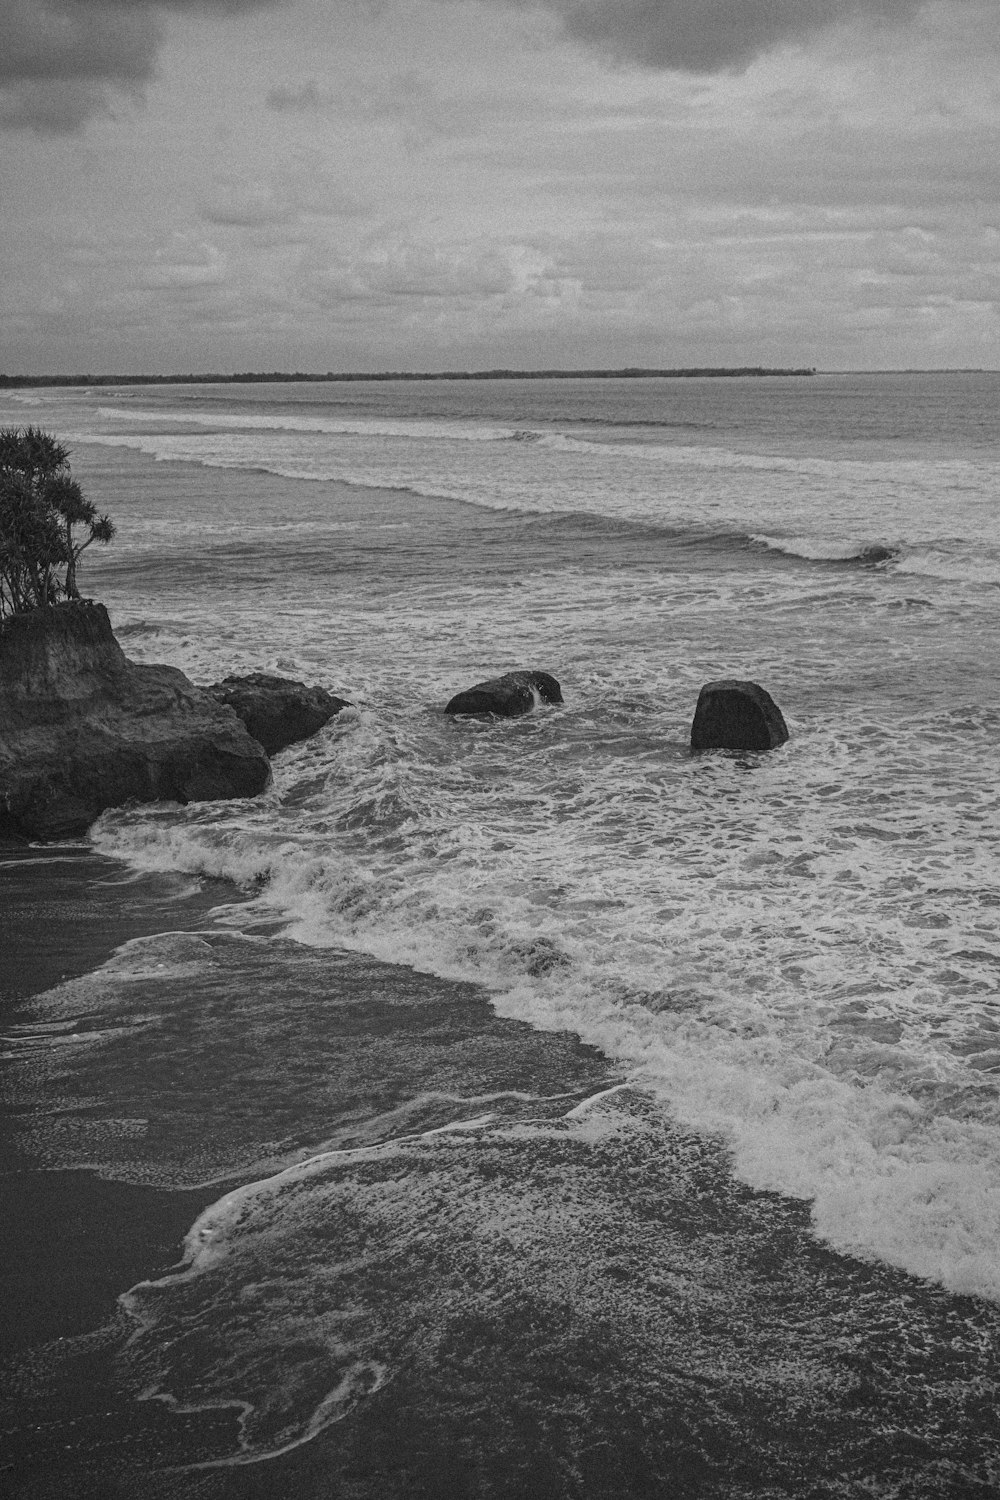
x=793, y=956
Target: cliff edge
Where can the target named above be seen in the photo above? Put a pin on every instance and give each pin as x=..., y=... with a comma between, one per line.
x=82, y=728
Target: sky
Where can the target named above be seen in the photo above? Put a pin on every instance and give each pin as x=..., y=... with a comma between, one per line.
x=232, y=185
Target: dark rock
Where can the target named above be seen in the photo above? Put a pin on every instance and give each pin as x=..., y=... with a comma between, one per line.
x=82, y=728
x=876, y=554
x=277, y=711
x=507, y=696
x=734, y=715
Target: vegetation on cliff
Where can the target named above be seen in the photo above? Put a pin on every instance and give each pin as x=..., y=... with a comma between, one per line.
x=46, y=522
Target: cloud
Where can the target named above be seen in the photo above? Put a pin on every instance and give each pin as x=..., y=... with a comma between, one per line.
x=51, y=107
x=245, y=205
x=61, y=40
x=61, y=60
x=707, y=36
x=183, y=265
x=299, y=98
x=402, y=272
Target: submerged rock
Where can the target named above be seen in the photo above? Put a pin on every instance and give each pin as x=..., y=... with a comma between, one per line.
x=876, y=554
x=514, y=693
x=82, y=728
x=277, y=711
x=736, y=715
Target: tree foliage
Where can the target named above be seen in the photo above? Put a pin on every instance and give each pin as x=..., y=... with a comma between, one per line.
x=46, y=522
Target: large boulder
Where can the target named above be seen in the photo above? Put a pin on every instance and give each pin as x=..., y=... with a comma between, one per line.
x=82, y=728
x=507, y=696
x=736, y=715
x=277, y=711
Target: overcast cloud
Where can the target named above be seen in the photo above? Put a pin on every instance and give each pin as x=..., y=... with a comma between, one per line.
x=89, y=48
x=61, y=60
x=337, y=184
x=704, y=36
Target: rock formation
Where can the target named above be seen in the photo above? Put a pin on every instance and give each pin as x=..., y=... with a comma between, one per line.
x=277, y=711
x=507, y=696
x=735, y=715
x=82, y=728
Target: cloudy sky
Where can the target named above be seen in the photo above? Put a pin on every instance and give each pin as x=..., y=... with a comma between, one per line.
x=424, y=184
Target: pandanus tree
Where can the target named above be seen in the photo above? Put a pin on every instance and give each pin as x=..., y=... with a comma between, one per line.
x=46, y=521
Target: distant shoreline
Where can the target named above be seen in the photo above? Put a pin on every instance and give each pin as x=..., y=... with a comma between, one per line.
x=249, y=377
x=303, y=377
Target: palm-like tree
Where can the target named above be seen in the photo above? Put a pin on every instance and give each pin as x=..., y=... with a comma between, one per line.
x=41, y=505
x=31, y=547
x=30, y=451
x=64, y=496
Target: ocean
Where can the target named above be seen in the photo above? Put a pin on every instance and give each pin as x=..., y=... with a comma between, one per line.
x=568, y=1115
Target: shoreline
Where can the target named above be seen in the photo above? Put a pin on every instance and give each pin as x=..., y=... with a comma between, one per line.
x=85, y=905
x=274, y=377
x=66, y=910
x=76, y=1237
x=556, y=1278
x=71, y=1240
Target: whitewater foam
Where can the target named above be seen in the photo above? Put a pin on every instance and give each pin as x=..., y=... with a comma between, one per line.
x=798, y=952
x=464, y=432
x=734, y=1041
x=830, y=549
x=813, y=508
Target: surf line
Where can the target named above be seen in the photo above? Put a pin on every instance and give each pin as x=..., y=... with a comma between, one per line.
x=344, y=1395
x=201, y=1251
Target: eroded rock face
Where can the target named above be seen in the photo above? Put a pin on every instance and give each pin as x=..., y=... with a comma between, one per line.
x=736, y=715
x=277, y=711
x=506, y=697
x=82, y=728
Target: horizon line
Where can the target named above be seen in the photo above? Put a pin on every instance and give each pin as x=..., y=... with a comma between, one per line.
x=628, y=372
x=498, y=373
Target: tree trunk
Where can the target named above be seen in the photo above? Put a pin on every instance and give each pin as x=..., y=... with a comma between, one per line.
x=72, y=592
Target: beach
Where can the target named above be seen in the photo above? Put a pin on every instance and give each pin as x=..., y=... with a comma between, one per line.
x=526, y=1108
x=569, y=1296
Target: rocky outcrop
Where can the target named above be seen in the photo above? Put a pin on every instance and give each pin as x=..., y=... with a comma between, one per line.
x=82, y=728
x=507, y=696
x=277, y=711
x=736, y=715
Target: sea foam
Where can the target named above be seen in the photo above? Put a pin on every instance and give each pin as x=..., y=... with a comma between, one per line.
x=769, y=1000
x=796, y=954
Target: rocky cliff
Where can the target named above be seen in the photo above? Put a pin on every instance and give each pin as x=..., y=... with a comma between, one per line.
x=82, y=728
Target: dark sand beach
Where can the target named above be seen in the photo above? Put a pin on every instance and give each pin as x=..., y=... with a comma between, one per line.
x=70, y=1240
x=74, y=1239
x=459, y=1258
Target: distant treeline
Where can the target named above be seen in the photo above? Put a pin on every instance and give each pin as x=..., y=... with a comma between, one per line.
x=251, y=377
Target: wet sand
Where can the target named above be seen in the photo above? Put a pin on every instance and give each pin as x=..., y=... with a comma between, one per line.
x=74, y=1239
x=64, y=909
x=70, y=1241
x=564, y=1298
